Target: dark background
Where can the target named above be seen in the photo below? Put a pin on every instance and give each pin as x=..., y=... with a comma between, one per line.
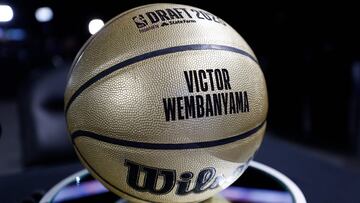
x=309, y=54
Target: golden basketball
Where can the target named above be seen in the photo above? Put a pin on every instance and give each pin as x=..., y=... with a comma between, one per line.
x=166, y=103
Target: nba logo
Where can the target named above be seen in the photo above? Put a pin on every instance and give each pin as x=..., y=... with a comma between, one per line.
x=140, y=21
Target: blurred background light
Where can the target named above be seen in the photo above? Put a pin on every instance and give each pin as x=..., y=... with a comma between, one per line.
x=15, y=34
x=2, y=33
x=44, y=14
x=12, y=34
x=6, y=13
x=95, y=25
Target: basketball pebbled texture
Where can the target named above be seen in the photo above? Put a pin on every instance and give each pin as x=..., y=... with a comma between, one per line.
x=126, y=112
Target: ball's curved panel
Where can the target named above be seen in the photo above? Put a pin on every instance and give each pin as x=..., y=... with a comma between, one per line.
x=168, y=98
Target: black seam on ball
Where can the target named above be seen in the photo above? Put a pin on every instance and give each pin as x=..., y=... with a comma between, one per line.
x=166, y=146
x=153, y=54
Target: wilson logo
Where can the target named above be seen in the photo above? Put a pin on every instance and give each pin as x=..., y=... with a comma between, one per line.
x=162, y=181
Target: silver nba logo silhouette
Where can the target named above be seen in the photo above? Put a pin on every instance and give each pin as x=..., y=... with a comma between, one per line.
x=140, y=21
